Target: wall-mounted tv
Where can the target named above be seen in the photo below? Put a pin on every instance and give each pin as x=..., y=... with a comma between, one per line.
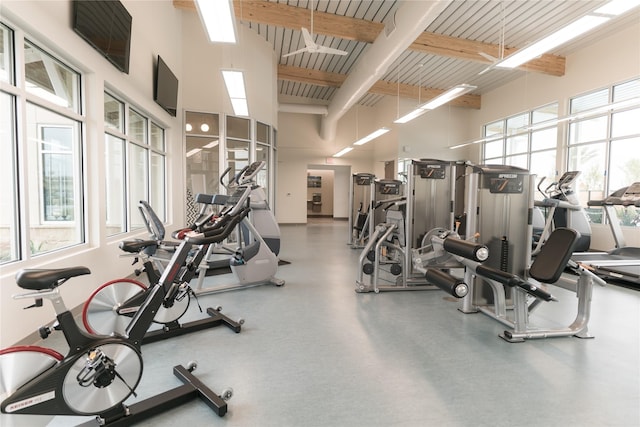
x=165, y=92
x=105, y=25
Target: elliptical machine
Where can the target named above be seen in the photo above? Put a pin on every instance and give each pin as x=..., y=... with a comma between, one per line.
x=254, y=261
x=562, y=210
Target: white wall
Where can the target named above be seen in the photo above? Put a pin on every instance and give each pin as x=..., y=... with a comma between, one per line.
x=203, y=87
x=48, y=24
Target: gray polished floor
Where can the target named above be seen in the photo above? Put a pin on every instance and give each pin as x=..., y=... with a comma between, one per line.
x=315, y=353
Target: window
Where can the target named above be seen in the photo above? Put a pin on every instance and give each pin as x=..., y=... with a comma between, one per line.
x=604, y=143
x=58, y=192
x=135, y=163
x=238, y=143
x=215, y=142
x=6, y=54
x=41, y=208
x=9, y=226
x=50, y=79
x=203, y=158
x=526, y=140
x=263, y=152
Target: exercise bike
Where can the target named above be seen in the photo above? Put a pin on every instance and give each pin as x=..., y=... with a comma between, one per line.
x=100, y=372
x=111, y=306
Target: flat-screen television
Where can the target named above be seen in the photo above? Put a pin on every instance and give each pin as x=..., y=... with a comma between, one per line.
x=105, y=25
x=165, y=92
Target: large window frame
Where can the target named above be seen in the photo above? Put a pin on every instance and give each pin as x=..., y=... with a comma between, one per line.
x=604, y=126
x=135, y=147
x=599, y=131
x=42, y=156
x=234, y=142
x=528, y=140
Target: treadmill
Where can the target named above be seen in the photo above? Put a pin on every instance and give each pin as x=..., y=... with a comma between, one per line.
x=621, y=264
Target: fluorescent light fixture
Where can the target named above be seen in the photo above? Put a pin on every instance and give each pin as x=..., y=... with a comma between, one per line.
x=571, y=31
x=234, y=81
x=434, y=103
x=240, y=107
x=193, y=152
x=211, y=144
x=627, y=103
x=477, y=141
x=617, y=7
x=371, y=136
x=410, y=116
x=218, y=19
x=343, y=152
x=449, y=95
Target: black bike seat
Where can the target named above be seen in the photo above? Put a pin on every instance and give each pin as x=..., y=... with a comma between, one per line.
x=38, y=279
x=135, y=246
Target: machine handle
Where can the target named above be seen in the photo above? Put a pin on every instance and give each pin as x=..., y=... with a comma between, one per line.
x=219, y=231
x=463, y=248
x=448, y=283
x=512, y=280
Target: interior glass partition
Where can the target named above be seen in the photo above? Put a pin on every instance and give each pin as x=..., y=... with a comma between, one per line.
x=203, y=158
x=215, y=142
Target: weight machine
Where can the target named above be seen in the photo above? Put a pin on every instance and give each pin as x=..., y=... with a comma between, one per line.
x=433, y=195
x=506, y=286
x=360, y=202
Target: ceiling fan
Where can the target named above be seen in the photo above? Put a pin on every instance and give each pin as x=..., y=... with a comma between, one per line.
x=313, y=47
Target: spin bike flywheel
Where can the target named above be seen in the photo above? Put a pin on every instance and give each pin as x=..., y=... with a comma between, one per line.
x=102, y=377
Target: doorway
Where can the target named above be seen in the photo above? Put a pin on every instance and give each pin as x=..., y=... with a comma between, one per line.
x=327, y=192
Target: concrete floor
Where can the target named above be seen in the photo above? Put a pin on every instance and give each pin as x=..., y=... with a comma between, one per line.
x=315, y=353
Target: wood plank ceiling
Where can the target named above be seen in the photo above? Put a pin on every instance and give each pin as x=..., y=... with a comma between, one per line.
x=446, y=54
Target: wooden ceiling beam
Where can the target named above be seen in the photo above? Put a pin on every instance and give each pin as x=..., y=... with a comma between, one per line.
x=326, y=79
x=438, y=44
x=282, y=15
